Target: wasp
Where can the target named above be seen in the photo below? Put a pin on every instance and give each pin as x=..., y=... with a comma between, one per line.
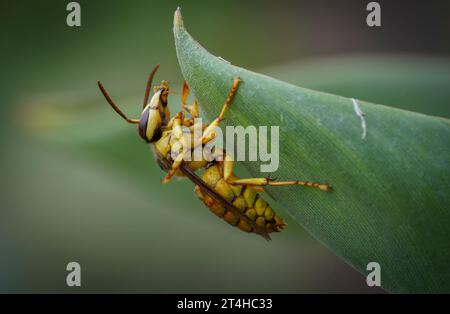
x=235, y=200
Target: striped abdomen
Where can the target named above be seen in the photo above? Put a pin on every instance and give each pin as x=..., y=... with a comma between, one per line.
x=244, y=198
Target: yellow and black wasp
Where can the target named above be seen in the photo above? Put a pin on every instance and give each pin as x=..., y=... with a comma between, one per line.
x=235, y=200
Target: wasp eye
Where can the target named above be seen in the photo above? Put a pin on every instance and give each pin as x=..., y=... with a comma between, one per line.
x=150, y=124
x=143, y=122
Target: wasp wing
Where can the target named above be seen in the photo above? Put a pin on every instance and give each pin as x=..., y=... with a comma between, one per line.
x=212, y=193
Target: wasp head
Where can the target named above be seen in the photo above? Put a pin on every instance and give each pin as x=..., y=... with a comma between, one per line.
x=155, y=113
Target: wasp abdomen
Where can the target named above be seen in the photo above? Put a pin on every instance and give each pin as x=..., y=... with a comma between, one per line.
x=244, y=198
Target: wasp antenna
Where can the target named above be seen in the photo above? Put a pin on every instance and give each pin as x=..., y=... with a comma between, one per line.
x=149, y=85
x=114, y=106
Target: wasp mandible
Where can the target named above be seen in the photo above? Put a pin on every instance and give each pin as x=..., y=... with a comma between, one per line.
x=235, y=200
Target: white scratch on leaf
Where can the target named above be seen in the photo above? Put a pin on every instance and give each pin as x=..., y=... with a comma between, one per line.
x=222, y=59
x=361, y=115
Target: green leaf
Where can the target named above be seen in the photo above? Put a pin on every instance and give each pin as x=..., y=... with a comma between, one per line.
x=412, y=82
x=390, y=200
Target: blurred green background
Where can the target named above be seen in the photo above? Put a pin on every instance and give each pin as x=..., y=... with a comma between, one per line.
x=78, y=184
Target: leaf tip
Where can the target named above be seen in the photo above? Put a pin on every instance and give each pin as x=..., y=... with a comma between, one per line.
x=178, y=19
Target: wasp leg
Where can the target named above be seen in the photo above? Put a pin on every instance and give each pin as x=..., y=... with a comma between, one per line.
x=187, y=144
x=268, y=181
x=178, y=132
x=192, y=110
x=176, y=164
x=176, y=120
x=258, y=182
x=180, y=120
x=227, y=167
x=207, y=134
x=188, y=122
